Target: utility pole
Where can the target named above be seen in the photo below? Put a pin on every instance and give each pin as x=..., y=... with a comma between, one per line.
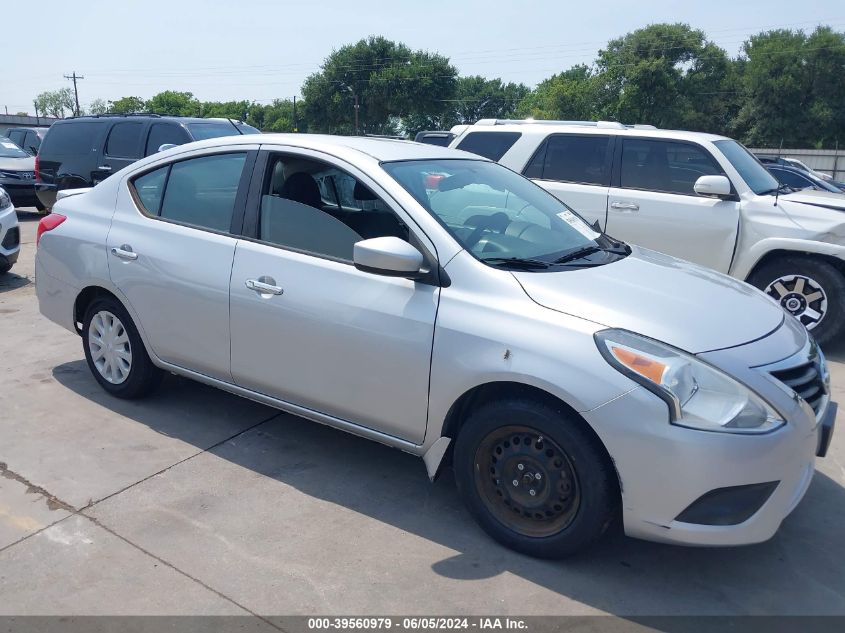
x=355, y=94
x=74, y=77
x=295, y=126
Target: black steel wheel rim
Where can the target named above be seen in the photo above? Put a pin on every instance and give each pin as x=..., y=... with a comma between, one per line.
x=526, y=481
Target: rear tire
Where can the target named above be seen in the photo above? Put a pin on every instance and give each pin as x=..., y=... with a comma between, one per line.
x=115, y=352
x=812, y=290
x=535, y=478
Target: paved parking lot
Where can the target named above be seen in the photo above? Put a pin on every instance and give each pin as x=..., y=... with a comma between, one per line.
x=199, y=502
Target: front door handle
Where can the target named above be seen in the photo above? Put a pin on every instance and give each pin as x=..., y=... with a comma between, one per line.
x=264, y=286
x=625, y=206
x=125, y=252
x=104, y=167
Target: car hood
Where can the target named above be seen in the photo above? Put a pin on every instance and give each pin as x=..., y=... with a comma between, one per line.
x=690, y=307
x=24, y=163
x=826, y=199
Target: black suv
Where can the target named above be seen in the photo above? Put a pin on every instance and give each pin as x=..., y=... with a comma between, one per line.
x=27, y=138
x=82, y=151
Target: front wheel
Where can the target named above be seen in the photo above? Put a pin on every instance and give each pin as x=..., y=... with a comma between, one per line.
x=812, y=290
x=534, y=478
x=115, y=352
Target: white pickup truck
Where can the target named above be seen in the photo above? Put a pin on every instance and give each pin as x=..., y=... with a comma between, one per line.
x=701, y=197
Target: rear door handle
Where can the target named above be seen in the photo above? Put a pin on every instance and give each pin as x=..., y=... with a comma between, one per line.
x=104, y=167
x=264, y=286
x=625, y=206
x=124, y=252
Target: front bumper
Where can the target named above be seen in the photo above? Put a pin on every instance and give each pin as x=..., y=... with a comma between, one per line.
x=665, y=469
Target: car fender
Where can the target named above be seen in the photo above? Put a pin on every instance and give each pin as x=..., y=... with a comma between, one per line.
x=747, y=259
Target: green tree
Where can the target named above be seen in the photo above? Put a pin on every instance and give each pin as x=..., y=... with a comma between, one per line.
x=175, y=103
x=388, y=79
x=98, y=106
x=55, y=103
x=128, y=104
x=570, y=95
x=227, y=109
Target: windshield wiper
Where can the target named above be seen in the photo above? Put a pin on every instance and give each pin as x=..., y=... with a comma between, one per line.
x=516, y=262
x=577, y=254
x=779, y=188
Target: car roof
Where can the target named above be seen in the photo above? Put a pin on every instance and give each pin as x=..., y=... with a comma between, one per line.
x=138, y=117
x=544, y=128
x=380, y=149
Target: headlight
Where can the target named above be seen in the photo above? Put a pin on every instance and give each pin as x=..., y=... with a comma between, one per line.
x=699, y=395
x=5, y=200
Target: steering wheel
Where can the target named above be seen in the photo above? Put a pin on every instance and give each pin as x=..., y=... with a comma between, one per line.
x=498, y=221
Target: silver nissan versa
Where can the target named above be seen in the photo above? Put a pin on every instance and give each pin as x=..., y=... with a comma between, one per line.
x=444, y=305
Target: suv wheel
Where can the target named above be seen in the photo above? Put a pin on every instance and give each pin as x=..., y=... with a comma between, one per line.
x=534, y=478
x=812, y=290
x=115, y=353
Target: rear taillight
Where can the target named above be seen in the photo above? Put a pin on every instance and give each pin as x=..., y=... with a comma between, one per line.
x=37, y=168
x=48, y=223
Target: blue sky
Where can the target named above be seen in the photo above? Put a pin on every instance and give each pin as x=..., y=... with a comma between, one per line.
x=263, y=49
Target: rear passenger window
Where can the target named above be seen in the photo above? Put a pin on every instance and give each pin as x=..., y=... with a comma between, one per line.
x=199, y=192
x=571, y=158
x=492, y=145
x=165, y=134
x=124, y=140
x=71, y=138
x=665, y=166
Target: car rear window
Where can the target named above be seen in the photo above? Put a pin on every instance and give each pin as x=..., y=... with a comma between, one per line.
x=202, y=131
x=492, y=145
x=70, y=138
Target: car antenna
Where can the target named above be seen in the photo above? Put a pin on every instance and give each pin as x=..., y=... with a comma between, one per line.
x=780, y=184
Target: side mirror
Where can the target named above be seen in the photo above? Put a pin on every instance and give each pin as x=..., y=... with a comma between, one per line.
x=166, y=146
x=387, y=256
x=713, y=187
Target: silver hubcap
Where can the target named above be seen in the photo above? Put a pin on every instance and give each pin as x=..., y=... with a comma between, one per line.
x=801, y=296
x=108, y=342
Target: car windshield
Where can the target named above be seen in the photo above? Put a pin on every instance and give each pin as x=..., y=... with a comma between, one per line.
x=212, y=129
x=9, y=150
x=496, y=214
x=750, y=169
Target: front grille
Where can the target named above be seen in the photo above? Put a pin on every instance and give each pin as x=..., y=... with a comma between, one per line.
x=12, y=239
x=805, y=380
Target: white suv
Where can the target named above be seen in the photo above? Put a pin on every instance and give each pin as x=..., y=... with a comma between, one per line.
x=9, y=233
x=701, y=197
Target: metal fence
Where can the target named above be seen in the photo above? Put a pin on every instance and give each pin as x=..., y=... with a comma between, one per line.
x=828, y=161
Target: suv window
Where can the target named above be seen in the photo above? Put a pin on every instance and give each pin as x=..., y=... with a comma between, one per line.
x=665, y=166
x=572, y=158
x=73, y=137
x=165, y=133
x=16, y=136
x=492, y=145
x=124, y=140
x=199, y=192
x=312, y=206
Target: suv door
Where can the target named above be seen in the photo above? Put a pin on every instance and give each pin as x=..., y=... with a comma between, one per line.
x=320, y=333
x=170, y=250
x=653, y=203
x=122, y=148
x=575, y=168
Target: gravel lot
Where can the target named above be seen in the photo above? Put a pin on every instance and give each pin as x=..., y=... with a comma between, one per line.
x=199, y=502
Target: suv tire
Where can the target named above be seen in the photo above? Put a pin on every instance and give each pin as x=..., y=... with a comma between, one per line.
x=534, y=478
x=115, y=352
x=813, y=290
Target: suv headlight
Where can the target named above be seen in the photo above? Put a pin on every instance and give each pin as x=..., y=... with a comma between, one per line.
x=699, y=395
x=5, y=200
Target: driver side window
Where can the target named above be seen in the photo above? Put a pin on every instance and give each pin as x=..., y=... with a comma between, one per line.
x=311, y=206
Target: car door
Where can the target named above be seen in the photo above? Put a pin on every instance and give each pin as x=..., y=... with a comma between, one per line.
x=122, y=148
x=311, y=329
x=575, y=168
x=652, y=202
x=170, y=250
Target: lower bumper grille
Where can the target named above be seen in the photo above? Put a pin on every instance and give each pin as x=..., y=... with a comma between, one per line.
x=12, y=239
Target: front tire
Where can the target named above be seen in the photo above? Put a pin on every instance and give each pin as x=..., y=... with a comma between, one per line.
x=115, y=352
x=535, y=478
x=812, y=290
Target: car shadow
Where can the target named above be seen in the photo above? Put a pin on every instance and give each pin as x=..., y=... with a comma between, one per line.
x=11, y=281
x=619, y=575
x=835, y=351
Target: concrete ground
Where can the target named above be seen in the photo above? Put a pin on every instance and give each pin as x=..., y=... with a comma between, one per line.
x=199, y=502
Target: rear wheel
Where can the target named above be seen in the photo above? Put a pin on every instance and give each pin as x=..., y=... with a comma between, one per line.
x=534, y=478
x=812, y=290
x=115, y=353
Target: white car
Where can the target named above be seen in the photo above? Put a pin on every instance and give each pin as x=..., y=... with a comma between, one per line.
x=700, y=197
x=440, y=303
x=10, y=236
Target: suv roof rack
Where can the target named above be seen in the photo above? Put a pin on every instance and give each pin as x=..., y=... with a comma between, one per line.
x=600, y=124
x=110, y=114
